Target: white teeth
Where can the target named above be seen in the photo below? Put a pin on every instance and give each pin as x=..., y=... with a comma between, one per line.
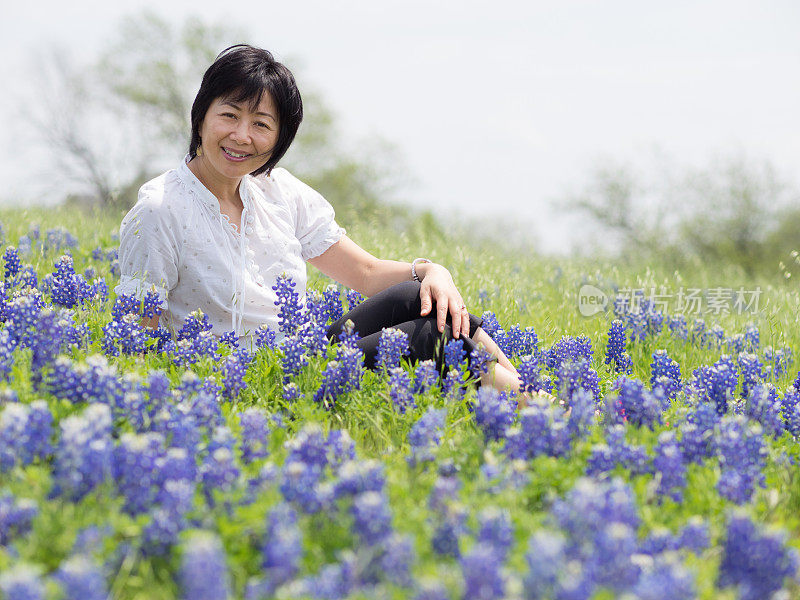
x=234, y=154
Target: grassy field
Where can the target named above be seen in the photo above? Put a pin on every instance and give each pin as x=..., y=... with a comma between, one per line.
x=279, y=504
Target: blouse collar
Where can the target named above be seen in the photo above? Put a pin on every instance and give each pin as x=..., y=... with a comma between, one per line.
x=202, y=193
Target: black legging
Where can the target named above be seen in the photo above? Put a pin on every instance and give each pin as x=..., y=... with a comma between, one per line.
x=399, y=307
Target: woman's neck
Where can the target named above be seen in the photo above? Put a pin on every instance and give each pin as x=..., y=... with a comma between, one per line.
x=225, y=189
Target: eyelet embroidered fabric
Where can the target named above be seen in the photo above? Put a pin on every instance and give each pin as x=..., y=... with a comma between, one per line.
x=176, y=240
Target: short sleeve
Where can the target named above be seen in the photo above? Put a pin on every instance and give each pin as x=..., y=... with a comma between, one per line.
x=315, y=221
x=148, y=252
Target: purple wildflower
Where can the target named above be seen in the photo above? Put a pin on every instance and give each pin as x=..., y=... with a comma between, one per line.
x=372, y=518
x=481, y=569
x=81, y=579
x=494, y=413
x=393, y=345
x=454, y=354
x=425, y=376
x=668, y=465
x=22, y=582
x=400, y=389
x=616, y=353
x=203, y=572
x=426, y=434
x=756, y=561
x=290, y=309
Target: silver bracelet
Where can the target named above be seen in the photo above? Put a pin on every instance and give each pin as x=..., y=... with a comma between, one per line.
x=414, y=267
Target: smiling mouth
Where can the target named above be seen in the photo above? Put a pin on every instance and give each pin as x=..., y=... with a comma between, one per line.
x=237, y=155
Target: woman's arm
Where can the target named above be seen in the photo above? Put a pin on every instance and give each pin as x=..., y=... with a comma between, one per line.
x=348, y=263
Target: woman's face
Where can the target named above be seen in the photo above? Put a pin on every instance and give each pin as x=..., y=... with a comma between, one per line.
x=237, y=140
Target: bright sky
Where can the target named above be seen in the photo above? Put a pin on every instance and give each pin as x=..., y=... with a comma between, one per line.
x=496, y=111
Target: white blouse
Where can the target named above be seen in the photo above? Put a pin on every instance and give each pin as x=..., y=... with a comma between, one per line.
x=175, y=240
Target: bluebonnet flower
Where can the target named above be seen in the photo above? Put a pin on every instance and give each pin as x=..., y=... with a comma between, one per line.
x=218, y=472
x=752, y=370
x=600, y=520
x=372, y=517
x=716, y=384
x=22, y=582
x=230, y=339
x=83, y=458
x=481, y=570
x=530, y=375
x=21, y=314
x=426, y=434
x=666, y=579
x=450, y=527
x=778, y=361
x=431, y=590
x=522, y=341
x=665, y=373
x=400, y=389
x=24, y=245
x=545, y=557
x=742, y=456
x=349, y=336
x=194, y=323
x=479, y=360
x=696, y=444
x=453, y=386
x=300, y=485
x=134, y=469
x=265, y=337
x=542, y=429
x=334, y=581
x=454, y=354
x=694, y=535
x=255, y=434
x=678, y=327
x=574, y=375
x=397, y=559
x=13, y=264
x=333, y=302
x=490, y=323
x=294, y=356
x=332, y=385
x=290, y=309
x=392, y=345
x=568, y=349
x=282, y=548
x=494, y=413
x=616, y=451
x=496, y=531
x=67, y=288
x=582, y=413
x=126, y=335
x=25, y=432
x=203, y=571
x=425, y=376
x=233, y=372
x=790, y=411
x=634, y=404
x=7, y=346
x=291, y=392
x=658, y=541
x=668, y=464
x=353, y=299
x=16, y=517
x=762, y=405
x=81, y=579
x=356, y=477
x=755, y=561
x=616, y=353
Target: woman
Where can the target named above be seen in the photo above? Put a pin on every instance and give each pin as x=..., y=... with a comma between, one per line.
x=216, y=232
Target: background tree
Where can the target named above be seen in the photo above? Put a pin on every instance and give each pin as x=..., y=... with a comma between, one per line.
x=733, y=211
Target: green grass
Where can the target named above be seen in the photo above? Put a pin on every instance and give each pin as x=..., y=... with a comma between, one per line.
x=531, y=290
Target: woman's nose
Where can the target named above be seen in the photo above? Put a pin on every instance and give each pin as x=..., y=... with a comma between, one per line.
x=240, y=133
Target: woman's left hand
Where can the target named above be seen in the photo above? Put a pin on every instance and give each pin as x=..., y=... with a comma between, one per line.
x=437, y=285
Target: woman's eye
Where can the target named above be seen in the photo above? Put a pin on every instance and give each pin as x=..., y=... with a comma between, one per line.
x=264, y=125
x=231, y=115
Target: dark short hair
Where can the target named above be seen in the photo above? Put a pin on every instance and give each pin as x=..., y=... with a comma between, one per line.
x=242, y=73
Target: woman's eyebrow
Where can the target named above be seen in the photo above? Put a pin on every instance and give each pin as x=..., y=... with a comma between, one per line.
x=237, y=107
